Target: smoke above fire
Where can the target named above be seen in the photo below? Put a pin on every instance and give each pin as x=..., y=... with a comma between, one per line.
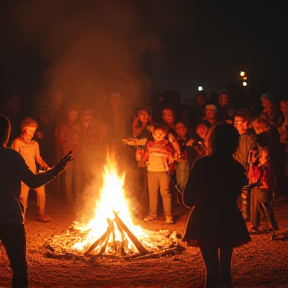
x=92, y=48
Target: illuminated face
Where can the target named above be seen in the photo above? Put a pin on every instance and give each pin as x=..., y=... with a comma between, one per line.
x=267, y=104
x=159, y=135
x=263, y=157
x=181, y=129
x=223, y=99
x=29, y=132
x=168, y=116
x=210, y=113
x=284, y=107
x=202, y=131
x=72, y=115
x=259, y=126
x=240, y=124
x=143, y=116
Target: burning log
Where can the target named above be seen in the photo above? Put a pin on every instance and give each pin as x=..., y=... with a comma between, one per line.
x=102, y=238
x=132, y=237
x=121, y=236
x=121, y=244
x=122, y=228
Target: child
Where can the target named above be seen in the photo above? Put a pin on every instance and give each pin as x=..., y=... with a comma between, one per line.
x=262, y=176
x=29, y=150
x=158, y=154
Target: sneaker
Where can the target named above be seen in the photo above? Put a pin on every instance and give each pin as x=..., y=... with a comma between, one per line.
x=169, y=220
x=150, y=218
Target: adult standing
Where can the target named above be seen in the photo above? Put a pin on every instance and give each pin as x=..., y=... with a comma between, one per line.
x=13, y=170
x=247, y=137
x=66, y=140
x=216, y=224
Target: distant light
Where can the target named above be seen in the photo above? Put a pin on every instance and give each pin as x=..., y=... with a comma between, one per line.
x=244, y=77
x=200, y=88
x=245, y=83
x=242, y=73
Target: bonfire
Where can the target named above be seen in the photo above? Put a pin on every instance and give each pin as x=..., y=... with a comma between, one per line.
x=110, y=231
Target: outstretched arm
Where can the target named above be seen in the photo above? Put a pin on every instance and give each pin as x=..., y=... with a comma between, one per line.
x=37, y=180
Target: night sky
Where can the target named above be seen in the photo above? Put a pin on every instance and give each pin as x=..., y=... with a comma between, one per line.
x=91, y=48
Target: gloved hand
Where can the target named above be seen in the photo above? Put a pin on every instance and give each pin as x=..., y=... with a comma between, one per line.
x=61, y=165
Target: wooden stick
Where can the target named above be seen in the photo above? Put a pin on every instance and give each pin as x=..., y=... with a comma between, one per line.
x=122, y=251
x=132, y=237
x=101, y=239
x=103, y=248
x=158, y=253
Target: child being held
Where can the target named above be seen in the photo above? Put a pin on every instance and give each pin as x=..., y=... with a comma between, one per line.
x=262, y=178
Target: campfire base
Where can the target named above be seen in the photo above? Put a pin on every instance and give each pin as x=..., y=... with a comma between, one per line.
x=161, y=243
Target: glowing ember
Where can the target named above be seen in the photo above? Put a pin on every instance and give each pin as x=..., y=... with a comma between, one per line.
x=112, y=201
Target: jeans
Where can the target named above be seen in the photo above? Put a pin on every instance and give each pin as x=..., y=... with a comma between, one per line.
x=142, y=195
x=158, y=180
x=41, y=197
x=73, y=182
x=13, y=238
x=261, y=200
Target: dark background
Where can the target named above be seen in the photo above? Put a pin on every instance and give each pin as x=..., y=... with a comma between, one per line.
x=91, y=48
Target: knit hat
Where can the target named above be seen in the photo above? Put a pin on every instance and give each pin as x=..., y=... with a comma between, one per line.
x=269, y=96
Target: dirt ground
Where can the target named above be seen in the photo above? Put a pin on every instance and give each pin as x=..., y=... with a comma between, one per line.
x=261, y=263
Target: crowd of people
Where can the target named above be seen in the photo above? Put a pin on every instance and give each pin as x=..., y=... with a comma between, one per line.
x=157, y=145
x=60, y=126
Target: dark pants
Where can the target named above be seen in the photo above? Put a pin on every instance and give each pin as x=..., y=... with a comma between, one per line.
x=261, y=200
x=142, y=196
x=13, y=238
x=218, y=266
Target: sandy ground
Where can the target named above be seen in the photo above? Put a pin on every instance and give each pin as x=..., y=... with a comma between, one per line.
x=261, y=263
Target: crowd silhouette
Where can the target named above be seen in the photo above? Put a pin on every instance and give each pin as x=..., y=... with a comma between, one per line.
x=91, y=130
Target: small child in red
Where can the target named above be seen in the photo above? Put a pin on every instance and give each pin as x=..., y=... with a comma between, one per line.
x=159, y=153
x=262, y=176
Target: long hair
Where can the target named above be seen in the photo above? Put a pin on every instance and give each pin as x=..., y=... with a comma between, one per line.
x=222, y=139
x=5, y=128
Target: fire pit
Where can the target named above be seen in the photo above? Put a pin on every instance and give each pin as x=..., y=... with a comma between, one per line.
x=110, y=232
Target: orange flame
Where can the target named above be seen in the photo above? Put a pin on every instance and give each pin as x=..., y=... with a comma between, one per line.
x=112, y=199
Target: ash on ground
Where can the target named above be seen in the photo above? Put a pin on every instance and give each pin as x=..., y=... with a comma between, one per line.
x=157, y=243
